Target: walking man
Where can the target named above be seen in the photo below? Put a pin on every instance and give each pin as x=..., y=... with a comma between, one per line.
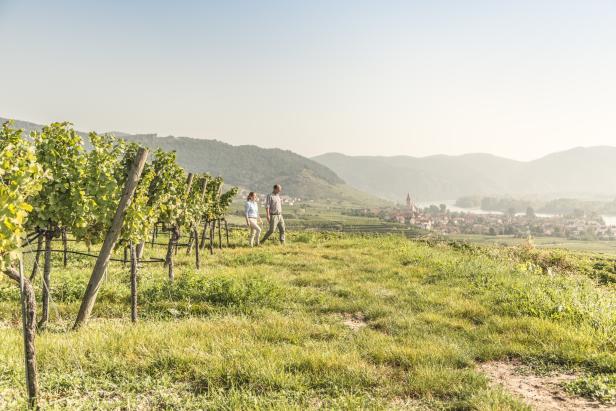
x=273, y=208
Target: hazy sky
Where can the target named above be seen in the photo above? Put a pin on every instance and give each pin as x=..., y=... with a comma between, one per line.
x=513, y=78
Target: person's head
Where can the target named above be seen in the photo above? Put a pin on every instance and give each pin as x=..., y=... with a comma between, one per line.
x=277, y=188
x=252, y=196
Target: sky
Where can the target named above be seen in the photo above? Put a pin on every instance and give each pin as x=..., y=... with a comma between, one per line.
x=518, y=79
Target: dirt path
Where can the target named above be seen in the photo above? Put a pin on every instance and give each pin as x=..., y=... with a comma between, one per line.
x=541, y=392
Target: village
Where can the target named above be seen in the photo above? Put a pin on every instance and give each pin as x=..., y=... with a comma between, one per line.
x=444, y=221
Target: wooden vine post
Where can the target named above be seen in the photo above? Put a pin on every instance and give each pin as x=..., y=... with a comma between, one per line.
x=218, y=211
x=64, y=248
x=154, y=232
x=46, y=281
x=28, y=314
x=219, y=235
x=134, y=260
x=226, y=231
x=196, y=228
x=89, y=298
x=212, y=227
x=206, y=224
x=191, y=237
x=39, y=250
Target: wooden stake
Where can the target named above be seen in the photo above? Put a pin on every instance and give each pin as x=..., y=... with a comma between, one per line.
x=28, y=315
x=37, y=258
x=111, y=238
x=226, y=232
x=219, y=236
x=133, y=282
x=206, y=225
x=174, y=235
x=154, y=232
x=190, y=241
x=65, y=247
x=197, y=256
x=212, y=227
x=46, y=281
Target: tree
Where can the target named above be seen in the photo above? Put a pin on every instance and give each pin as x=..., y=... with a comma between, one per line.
x=530, y=213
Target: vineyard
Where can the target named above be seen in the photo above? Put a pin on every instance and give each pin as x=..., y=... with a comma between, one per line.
x=109, y=198
x=349, y=314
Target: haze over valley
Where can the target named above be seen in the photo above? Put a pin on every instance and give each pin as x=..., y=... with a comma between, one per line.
x=582, y=172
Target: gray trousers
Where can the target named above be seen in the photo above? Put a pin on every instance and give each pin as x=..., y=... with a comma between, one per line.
x=276, y=221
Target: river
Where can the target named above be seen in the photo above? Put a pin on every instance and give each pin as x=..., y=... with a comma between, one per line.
x=609, y=220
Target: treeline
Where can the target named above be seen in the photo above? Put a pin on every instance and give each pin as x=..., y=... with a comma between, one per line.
x=561, y=206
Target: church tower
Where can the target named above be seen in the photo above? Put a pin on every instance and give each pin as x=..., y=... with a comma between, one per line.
x=410, y=205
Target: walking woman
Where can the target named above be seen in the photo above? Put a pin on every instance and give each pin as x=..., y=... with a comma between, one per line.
x=253, y=219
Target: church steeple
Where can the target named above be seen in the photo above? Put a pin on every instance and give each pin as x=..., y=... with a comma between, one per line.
x=410, y=204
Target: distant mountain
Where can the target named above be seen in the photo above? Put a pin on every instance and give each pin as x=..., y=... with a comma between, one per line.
x=248, y=166
x=579, y=172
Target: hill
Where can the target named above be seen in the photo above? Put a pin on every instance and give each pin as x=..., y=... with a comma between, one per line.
x=579, y=172
x=249, y=166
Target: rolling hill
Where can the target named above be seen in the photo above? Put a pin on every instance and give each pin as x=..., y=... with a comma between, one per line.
x=579, y=172
x=249, y=166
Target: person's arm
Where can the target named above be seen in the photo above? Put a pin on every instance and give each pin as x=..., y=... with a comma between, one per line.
x=246, y=208
x=268, y=200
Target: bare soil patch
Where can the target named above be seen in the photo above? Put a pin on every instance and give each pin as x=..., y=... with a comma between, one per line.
x=355, y=321
x=541, y=392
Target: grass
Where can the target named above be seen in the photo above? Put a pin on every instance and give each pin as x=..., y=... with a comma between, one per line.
x=597, y=387
x=266, y=328
x=596, y=246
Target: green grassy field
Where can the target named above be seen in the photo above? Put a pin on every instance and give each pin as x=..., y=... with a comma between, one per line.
x=601, y=247
x=334, y=321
